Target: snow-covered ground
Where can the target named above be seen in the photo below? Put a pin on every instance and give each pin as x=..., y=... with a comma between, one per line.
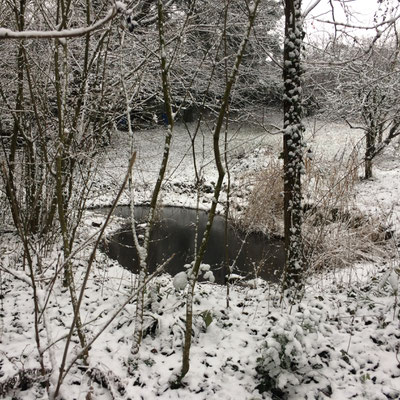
x=342, y=341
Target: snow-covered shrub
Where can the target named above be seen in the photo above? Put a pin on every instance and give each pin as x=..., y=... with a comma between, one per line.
x=389, y=284
x=181, y=279
x=292, y=347
x=391, y=280
x=284, y=354
x=313, y=316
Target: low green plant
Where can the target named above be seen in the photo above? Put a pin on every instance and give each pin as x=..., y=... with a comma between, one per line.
x=207, y=317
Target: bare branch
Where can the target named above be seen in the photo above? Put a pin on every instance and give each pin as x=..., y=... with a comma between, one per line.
x=390, y=21
x=310, y=8
x=65, y=33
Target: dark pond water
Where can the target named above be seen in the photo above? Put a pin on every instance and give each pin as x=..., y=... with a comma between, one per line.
x=174, y=233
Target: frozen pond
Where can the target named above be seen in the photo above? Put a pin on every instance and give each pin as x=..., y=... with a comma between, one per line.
x=174, y=233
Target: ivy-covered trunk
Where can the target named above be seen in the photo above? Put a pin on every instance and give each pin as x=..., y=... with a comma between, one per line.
x=293, y=149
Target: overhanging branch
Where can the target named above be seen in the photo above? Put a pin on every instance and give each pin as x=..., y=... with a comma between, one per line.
x=65, y=33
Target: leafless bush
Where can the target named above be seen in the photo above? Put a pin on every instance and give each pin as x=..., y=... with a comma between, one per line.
x=343, y=238
x=336, y=233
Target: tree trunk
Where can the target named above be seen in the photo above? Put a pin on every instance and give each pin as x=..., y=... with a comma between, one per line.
x=217, y=191
x=293, y=150
x=370, y=138
x=138, y=331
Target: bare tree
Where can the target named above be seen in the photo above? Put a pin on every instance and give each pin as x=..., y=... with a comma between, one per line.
x=356, y=79
x=358, y=83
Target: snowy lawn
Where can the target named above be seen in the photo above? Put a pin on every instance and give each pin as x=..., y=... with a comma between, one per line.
x=341, y=342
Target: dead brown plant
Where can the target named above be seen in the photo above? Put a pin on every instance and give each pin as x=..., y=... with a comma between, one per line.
x=263, y=211
x=336, y=233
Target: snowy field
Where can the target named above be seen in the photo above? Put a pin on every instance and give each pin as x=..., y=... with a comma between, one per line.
x=341, y=342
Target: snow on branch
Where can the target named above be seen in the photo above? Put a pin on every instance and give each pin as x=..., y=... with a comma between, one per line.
x=22, y=277
x=387, y=22
x=65, y=33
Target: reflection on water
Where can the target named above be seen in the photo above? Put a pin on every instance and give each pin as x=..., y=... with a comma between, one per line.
x=174, y=233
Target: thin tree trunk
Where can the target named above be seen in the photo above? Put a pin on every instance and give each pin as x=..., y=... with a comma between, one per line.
x=370, y=139
x=217, y=192
x=20, y=18
x=143, y=251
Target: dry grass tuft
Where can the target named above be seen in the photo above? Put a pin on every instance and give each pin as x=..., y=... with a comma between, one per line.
x=335, y=233
x=263, y=211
